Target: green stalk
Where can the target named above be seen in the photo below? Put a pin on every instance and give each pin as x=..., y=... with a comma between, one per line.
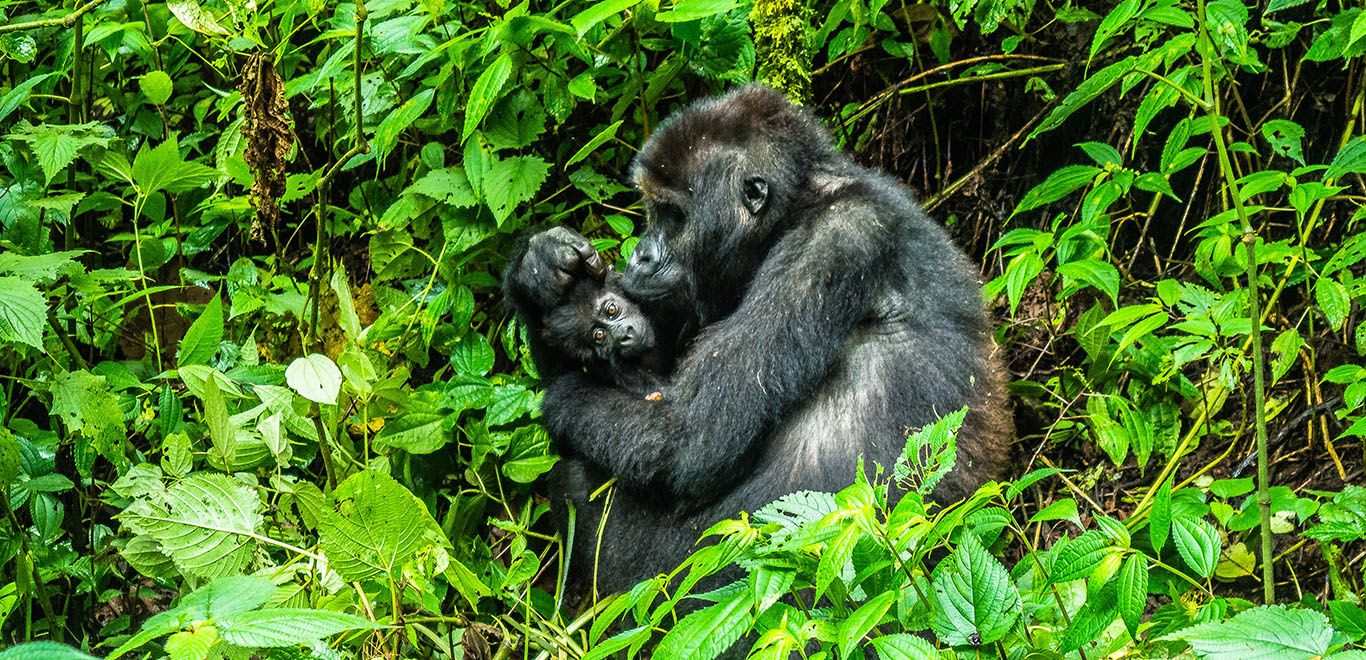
x=1254, y=308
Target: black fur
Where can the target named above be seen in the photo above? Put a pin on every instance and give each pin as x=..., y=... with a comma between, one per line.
x=832, y=316
x=608, y=334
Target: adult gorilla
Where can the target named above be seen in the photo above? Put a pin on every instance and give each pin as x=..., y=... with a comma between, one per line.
x=822, y=316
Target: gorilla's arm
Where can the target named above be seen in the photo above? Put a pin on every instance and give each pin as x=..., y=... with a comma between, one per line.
x=539, y=276
x=743, y=373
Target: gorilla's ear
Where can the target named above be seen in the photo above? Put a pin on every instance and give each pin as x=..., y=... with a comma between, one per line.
x=755, y=193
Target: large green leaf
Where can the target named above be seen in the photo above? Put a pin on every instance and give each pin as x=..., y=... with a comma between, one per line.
x=315, y=377
x=901, y=646
x=1263, y=633
x=386, y=134
x=704, y=634
x=1198, y=542
x=201, y=340
x=206, y=523
x=974, y=600
x=490, y=86
x=286, y=626
x=23, y=312
x=43, y=651
x=512, y=181
x=375, y=527
x=162, y=169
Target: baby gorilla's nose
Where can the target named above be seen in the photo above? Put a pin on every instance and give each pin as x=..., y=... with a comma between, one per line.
x=627, y=337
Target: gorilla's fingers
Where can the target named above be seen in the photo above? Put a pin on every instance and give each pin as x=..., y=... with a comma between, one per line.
x=592, y=261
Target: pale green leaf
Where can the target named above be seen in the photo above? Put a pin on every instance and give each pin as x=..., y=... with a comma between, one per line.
x=202, y=339
x=375, y=526
x=23, y=312
x=512, y=181
x=195, y=17
x=388, y=131
x=156, y=86
x=903, y=646
x=490, y=86
x=315, y=377
x=1132, y=593
x=43, y=651
x=974, y=600
x=599, y=12
x=1198, y=542
x=1262, y=633
x=206, y=523
x=862, y=620
x=286, y=626
x=704, y=634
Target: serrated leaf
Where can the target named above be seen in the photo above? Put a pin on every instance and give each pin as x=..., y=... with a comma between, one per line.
x=287, y=626
x=902, y=646
x=975, y=601
x=1087, y=91
x=56, y=145
x=1061, y=183
x=1114, y=22
x=16, y=97
x=486, y=91
x=1198, y=542
x=1160, y=522
x=1080, y=556
x=43, y=651
x=704, y=634
x=1063, y=509
x=931, y=452
x=448, y=185
x=388, y=131
x=1132, y=594
x=1284, y=137
x=769, y=583
x=1262, y=633
x=512, y=181
x=206, y=523
x=162, y=169
x=1350, y=160
x=202, y=339
x=692, y=10
x=315, y=377
x=862, y=620
x=375, y=527
x=603, y=136
x=23, y=312
x=599, y=12
x=1096, y=273
x=1093, y=618
x=1333, y=300
x=156, y=86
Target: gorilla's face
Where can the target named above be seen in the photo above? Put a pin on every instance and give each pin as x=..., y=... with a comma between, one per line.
x=703, y=239
x=601, y=326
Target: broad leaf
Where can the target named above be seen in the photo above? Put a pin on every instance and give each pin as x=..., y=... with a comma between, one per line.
x=376, y=526
x=315, y=377
x=1263, y=633
x=23, y=312
x=202, y=339
x=206, y=523
x=1198, y=542
x=704, y=634
x=974, y=600
x=286, y=626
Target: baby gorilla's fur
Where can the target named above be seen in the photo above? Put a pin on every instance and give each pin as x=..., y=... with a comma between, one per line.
x=606, y=333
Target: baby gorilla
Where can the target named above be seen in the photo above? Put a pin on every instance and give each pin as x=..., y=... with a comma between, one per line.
x=608, y=335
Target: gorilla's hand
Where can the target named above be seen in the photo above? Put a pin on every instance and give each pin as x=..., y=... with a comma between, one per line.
x=554, y=260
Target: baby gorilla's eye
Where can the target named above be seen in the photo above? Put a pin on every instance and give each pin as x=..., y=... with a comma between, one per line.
x=612, y=310
x=599, y=335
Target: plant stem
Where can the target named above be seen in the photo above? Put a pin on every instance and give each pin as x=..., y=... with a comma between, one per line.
x=1254, y=309
x=60, y=21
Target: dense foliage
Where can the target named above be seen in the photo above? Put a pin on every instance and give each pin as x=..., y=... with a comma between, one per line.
x=260, y=395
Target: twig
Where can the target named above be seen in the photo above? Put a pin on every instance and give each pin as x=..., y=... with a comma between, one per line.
x=62, y=22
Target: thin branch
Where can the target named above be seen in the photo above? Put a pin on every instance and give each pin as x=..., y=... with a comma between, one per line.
x=61, y=22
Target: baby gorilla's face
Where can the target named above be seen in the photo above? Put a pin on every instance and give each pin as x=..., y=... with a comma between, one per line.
x=601, y=326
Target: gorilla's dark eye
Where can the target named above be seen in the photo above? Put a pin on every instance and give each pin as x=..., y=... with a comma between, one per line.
x=755, y=193
x=599, y=335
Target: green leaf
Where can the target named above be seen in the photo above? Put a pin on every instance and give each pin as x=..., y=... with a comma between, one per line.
x=1063, y=509
x=195, y=17
x=1020, y=273
x=1350, y=160
x=1333, y=299
x=156, y=86
x=16, y=97
x=512, y=181
x=1061, y=183
x=315, y=377
x=1198, y=542
x=1114, y=22
x=485, y=92
x=43, y=651
x=862, y=620
x=206, y=523
x=704, y=634
x=1160, y=522
x=1348, y=618
x=1277, y=5
x=975, y=601
x=162, y=169
x=603, y=136
x=1093, y=618
x=769, y=583
x=691, y=10
x=1132, y=591
x=1080, y=556
x=375, y=527
x=1096, y=273
x=1087, y=91
x=1284, y=137
x=1263, y=633
x=599, y=12
x=623, y=639
x=222, y=430
x=931, y=452
x=202, y=339
x=286, y=626
x=388, y=131
x=9, y=459
x=902, y=646
x=56, y=145
x=448, y=185
x=23, y=312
